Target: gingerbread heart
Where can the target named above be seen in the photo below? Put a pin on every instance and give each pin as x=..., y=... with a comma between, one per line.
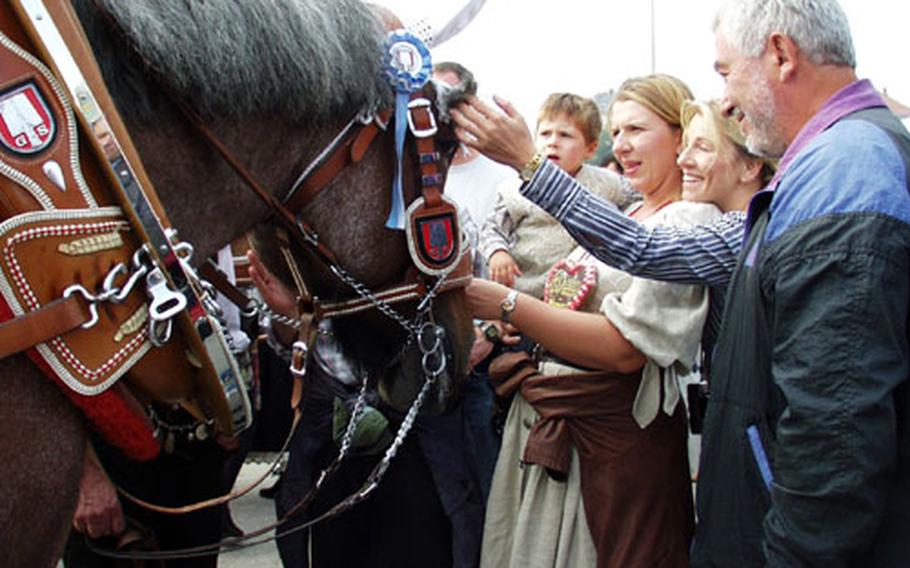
x=569, y=284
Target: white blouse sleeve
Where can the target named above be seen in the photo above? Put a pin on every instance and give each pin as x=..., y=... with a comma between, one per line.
x=664, y=321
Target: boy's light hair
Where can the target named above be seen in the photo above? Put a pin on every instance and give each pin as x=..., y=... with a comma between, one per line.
x=661, y=94
x=581, y=110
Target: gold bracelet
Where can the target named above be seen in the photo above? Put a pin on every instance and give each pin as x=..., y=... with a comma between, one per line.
x=529, y=169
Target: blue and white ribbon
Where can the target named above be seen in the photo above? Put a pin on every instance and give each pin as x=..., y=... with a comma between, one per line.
x=408, y=67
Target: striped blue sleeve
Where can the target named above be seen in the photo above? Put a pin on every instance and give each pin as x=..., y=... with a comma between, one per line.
x=703, y=254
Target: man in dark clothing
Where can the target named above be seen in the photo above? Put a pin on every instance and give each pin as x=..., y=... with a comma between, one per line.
x=806, y=454
x=188, y=470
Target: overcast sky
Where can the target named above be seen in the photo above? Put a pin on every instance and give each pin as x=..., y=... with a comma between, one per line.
x=526, y=49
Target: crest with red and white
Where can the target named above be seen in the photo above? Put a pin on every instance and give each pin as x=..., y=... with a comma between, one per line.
x=26, y=123
x=437, y=237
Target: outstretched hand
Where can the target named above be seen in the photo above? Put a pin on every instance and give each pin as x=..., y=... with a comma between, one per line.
x=501, y=135
x=274, y=293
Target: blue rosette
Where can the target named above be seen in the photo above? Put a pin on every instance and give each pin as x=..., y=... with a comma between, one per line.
x=407, y=66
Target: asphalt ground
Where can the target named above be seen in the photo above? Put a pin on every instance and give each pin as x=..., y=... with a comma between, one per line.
x=251, y=512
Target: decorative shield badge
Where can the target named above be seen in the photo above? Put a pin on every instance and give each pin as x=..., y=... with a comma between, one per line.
x=569, y=284
x=26, y=124
x=434, y=237
x=436, y=240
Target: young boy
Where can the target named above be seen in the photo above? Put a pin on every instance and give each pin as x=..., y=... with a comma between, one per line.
x=519, y=240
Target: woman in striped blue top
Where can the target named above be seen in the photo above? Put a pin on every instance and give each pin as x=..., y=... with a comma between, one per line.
x=716, y=167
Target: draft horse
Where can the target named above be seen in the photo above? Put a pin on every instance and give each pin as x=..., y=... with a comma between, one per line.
x=275, y=81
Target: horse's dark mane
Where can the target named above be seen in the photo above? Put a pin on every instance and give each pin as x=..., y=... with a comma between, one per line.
x=304, y=59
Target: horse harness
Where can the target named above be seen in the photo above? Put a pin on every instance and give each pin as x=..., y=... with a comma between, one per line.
x=450, y=268
x=93, y=281
x=163, y=262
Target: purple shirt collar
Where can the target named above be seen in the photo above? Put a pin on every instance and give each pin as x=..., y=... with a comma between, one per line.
x=856, y=96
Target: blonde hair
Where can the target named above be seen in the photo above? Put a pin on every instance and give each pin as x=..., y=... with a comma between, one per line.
x=723, y=127
x=661, y=94
x=580, y=110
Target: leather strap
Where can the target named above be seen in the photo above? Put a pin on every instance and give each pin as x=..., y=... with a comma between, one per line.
x=221, y=499
x=220, y=281
x=427, y=155
x=347, y=151
x=42, y=324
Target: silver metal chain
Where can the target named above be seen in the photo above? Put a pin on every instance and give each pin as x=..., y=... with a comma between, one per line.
x=264, y=310
x=368, y=295
x=356, y=415
x=379, y=471
x=109, y=291
x=423, y=307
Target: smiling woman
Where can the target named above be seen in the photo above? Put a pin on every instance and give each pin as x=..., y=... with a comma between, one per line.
x=645, y=122
x=598, y=417
x=717, y=168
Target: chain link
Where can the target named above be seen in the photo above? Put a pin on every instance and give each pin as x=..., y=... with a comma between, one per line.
x=267, y=312
x=423, y=307
x=366, y=294
x=109, y=291
x=359, y=405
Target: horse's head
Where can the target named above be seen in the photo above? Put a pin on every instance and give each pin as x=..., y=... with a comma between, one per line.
x=276, y=82
x=349, y=217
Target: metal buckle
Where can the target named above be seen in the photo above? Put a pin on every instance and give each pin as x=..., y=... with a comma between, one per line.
x=417, y=104
x=299, y=353
x=165, y=303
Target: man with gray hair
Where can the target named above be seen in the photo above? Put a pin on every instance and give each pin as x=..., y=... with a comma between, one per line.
x=806, y=456
x=806, y=451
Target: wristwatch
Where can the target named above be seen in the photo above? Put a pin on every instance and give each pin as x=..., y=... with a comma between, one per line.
x=529, y=169
x=490, y=332
x=507, y=305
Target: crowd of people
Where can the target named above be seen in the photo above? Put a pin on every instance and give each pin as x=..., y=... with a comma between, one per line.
x=759, y=240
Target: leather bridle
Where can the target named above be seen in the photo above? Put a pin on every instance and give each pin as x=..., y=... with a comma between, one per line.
x=347, y=148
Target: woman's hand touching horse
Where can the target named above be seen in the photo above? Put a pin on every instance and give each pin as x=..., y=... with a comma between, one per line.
x=499, y=134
